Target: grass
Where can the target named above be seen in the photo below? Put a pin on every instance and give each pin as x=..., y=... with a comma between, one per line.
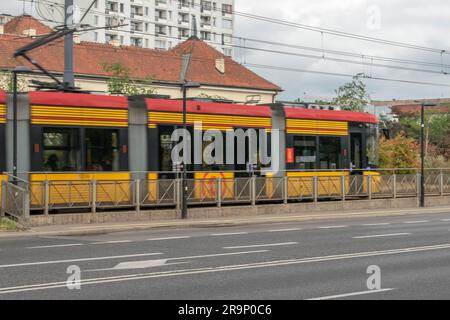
x=7, y=224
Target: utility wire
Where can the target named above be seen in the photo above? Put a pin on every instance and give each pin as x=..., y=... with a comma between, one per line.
x=322, y=50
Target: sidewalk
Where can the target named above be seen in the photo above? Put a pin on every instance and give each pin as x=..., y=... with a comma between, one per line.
x=102, y=228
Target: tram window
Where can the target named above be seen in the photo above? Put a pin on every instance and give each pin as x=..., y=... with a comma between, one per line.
x=165, y=148
x=216, y=159
x=60, y=149
x=330, y=152
x=305, y=152
x=102, y=151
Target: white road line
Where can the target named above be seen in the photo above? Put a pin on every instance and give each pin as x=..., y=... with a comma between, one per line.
x=267, y=264
x=184, y=258
x=169, y=238
x=445, y=220
x=263, y=245
x=113, y=242
x=78, y=260
x=351, y=294
x=227, y=234
x=383, y=235
x=414, y=222
x=375, y=224
x=57, y=246
x=332, y=227
x=284, y=230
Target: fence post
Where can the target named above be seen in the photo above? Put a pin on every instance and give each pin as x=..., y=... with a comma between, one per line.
x=394, y=182
x=369, y=186
x=219, y=192
x=3, y=203
x=46, y=197
x=26, y=208
x=285, y=189
x=137, y=196
x=316, y=188
x=94, y=196
x=253, y=191
x=343, y=187
x=419, y=186
x=441, y=184
x=178, y=186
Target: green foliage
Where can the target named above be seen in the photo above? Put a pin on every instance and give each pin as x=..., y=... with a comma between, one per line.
x=400, y=152
x=6, y=82
x=7, y=224
x=352, y=96
x=121, y=82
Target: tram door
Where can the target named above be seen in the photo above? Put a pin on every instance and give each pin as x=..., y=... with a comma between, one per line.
x=356, y=151
x=356, y=179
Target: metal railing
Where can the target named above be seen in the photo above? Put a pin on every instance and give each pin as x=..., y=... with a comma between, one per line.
x=15, y=201
x=139, y=194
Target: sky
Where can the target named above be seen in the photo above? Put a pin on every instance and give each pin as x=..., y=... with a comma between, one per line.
x=419, y=22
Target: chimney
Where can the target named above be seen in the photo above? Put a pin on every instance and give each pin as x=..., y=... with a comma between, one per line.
x=76, y=39
x=115, y=43
x=220, y=65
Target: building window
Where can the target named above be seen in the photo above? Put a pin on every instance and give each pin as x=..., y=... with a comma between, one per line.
x=61, y=149
x=160, y=44
x=227, y=24
x=102, y=151
x=227, y=9
x=95, y=20
x=96, y=36
x=228, y=52
x=330, y=153
x=305, y=152
x=122, y=8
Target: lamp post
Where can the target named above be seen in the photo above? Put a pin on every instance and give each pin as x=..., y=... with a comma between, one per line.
x=185, y=86
x=17, y=70
x=422, y=152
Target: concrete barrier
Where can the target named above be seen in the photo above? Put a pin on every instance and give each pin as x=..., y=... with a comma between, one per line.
x=235, y=211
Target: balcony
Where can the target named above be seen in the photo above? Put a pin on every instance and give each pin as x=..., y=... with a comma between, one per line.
x=183, y=5
x=206, y=26
x=161, y=3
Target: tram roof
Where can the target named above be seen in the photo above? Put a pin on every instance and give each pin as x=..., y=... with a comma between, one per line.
x=77, y=100
x=332, y=115
x=208, y=108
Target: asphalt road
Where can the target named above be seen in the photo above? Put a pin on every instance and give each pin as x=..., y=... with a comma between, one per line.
x=302, y=260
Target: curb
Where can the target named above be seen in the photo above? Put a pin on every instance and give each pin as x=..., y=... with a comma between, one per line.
x=93, y=230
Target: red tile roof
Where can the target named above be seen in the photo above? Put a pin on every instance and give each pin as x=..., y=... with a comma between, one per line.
x=19, y=24
x=202, y=67
x=162, y=66
x=415, y=109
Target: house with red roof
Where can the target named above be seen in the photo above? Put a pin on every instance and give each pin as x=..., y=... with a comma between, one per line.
x=192, y=60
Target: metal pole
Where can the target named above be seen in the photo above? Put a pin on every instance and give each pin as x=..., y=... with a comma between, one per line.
x=69, y=81
x=15, y=127
x=184, y=176
x=422, y=156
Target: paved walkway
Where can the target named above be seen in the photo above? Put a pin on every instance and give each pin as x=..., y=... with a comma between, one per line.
x=99, y=228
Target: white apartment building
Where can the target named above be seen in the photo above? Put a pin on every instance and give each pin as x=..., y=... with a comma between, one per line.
x=159, y=24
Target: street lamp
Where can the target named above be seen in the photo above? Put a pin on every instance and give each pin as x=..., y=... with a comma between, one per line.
x=17, y=70
x=185, y=86
x=422, y=152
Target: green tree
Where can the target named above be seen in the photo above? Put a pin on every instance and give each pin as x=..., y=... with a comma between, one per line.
x=121, y=83
x=400, y=152
x=352, y=96
x=6, y=82
x=436, y=131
